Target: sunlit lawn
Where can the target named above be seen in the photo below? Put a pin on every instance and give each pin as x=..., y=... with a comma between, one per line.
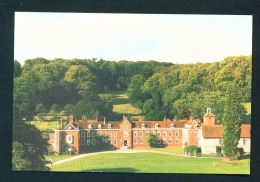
x=56, y=158
x=152, y=163
x=248, y=107
x=175, y=150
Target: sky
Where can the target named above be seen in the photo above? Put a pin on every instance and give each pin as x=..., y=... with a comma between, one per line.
x=135, y=37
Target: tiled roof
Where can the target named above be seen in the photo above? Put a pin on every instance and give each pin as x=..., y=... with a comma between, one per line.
x=215, y=131
x=94, y=125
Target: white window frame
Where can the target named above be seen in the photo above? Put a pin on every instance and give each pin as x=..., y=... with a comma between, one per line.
x=88, y=141
x=164, y=141
x=143, y=125
x=135, y=134
x=141, y=133
x=135, y=141
x=82, y=134
x=115, y=134
x=89, y=126
x=88, y=134
x=125, y=134
x=170, y=133
x=177, y=141
x=115, y=141
x=109, y=134
x=99, y=126
x=170, y=141
x=164, y=133
x=125, y=127
x=172, y=125
x=159, y=141
x=69, y=138
x=158, y=133
x=156, y=125
x=109, y=126
x=177, y=133
x=94, y=134
x=141, y=141
x=93, y=141
x=82, y=142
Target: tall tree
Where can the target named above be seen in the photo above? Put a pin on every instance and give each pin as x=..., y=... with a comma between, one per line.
x=232, y=118
x=17, y=68
x=29, y=146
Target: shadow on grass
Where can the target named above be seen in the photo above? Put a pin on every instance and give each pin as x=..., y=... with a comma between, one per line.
x=116, y=170
x=245, y=156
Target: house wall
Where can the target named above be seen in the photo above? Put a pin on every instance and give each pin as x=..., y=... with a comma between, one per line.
x=245, y=144
x=209, y=145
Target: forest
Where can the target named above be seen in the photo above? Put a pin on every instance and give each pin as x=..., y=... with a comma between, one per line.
x=161, y=90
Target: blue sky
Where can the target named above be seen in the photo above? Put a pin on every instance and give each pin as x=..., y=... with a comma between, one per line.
x=134, y=37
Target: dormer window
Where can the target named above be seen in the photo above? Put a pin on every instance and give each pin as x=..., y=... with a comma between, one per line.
x=109, y=126
x=99, y=126
x=69, y=128
x=125, y=127
x=89, y=126
x=172, y=125
x=156, y=125
x=143, y=125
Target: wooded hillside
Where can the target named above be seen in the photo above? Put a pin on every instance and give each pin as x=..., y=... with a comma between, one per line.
x=161, y=90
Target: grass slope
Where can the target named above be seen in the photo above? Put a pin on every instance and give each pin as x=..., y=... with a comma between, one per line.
x=121, y=104
x=152, y=163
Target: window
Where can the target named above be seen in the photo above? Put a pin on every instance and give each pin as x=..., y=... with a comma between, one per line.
x=109, y=141
x=104, y=133
x=176, y=133
x=244, y=141
x=177, y=141
x=69, y=139
x=93, y=142
x=89, y=126
x=99, y=126
x=170, y=141
x=141, y=141
x=196, y=134
x=109, y=126
x=69, y=128
x=156, y=125
x=82, y=134
x=88, y=134
x=170, y=133
x=164, y=141
x=125, y=127
x=94, y=134
x=158, y=141
x=164, y=133
x=135, y=133
x=52, y=137
x=109, y=134
x=172, y=125
x=125, y=134
x=147, y=133
x=219, y=141
x=82, y=142
x=159, y=133
x=143, y=125
x=135, y=141
x=115, y=142
x=141, y=133
x=88, y=141
x=115, y=134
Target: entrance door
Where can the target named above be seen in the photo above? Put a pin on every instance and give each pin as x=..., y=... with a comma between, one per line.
x=125, y=143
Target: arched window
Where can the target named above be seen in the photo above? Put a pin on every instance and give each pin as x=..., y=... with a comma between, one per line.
x=99, y=126
x=143, y=125
x=156, y=125
x=109, y=126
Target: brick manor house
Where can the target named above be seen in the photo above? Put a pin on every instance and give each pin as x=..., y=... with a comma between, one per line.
x=82, y=134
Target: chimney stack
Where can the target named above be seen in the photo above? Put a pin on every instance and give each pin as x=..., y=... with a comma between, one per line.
x=71, y=118
x=104, y=120
x=140, y=118
x=96, y=118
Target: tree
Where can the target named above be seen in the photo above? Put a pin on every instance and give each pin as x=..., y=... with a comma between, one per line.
x=151, y=140
x=232, y=118
x=29, y=146
x=17, y=69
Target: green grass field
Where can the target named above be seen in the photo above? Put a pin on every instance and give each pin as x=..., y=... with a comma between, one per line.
x=121, y=104
x=152, y=163
x=248, y=107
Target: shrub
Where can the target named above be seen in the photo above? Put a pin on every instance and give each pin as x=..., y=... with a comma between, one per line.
x=241, y=152
x=191, y=149
x=218, y=149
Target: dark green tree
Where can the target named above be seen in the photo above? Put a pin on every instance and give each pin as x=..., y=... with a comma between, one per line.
x=232, y=118
x=29, y=146
x=17, y=68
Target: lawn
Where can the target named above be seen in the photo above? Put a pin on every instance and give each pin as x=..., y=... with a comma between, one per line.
x=152, y=163
x=248, y=107
x=56, y=158
x=174, y=150
x=121, y=104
